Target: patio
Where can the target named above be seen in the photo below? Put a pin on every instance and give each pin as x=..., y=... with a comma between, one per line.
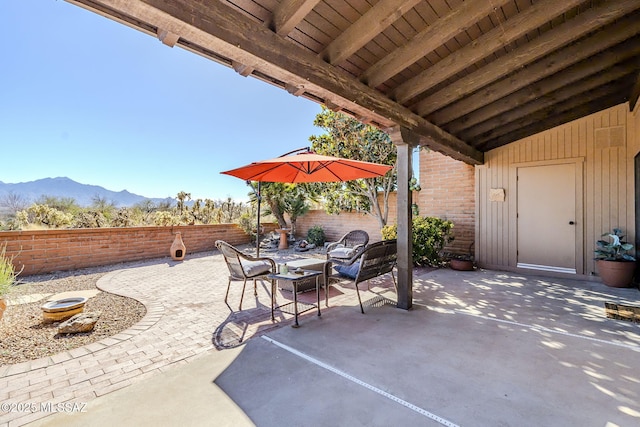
x=479, y=348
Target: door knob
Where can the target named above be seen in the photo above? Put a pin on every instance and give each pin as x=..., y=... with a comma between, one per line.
x=571, y=223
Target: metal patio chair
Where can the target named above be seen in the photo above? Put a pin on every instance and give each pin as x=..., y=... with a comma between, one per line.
x=245, y=267
x=348, y=245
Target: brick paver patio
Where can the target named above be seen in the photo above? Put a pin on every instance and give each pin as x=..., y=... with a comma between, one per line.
x=186, y=317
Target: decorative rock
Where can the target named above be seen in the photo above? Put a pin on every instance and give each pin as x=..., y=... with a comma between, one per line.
x=83, y=322
x=304, y=246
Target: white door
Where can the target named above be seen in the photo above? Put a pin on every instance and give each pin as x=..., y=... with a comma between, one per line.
x=546, y=218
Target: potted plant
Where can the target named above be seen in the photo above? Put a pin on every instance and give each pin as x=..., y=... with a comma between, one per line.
x=615, y=265
x=462, y=262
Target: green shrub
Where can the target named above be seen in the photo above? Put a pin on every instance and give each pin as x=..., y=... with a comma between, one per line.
x=248, y=224
x=316, y=235
x=7, y=271
x=430, y=235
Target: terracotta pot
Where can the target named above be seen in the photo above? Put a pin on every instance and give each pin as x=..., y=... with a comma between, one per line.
x=461, y=264
x=178, y=249
x=617, y=274
x=3, y=307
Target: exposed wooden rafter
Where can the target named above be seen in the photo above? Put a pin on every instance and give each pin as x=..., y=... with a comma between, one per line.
x=542, y=111
x=596, y=70
x=463, y=76
x=547, y=66
x=289, y=14
x=559, y=115
x=548, y=99
x=428, y=40
x=495, y=39
x=243, y=36
x=552, y=40
x=294, y=90
x=242, y=69
x=379, y=17
x=167, y=37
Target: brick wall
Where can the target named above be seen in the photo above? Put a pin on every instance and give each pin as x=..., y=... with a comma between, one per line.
x=335, y=226
x=448, y=192
x=45, y=251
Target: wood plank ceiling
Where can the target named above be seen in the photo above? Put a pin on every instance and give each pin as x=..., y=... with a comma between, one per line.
x=464, y=76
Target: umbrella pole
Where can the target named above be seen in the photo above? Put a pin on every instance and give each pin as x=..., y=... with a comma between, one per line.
x=258, y=225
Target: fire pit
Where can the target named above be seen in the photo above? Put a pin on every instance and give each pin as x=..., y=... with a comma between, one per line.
x=62, y=309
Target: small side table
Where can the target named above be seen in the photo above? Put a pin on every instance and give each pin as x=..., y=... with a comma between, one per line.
x=307, y=264
x=295, y=278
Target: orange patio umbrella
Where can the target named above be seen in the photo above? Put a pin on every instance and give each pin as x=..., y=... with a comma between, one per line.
x=308, y=167
x=305, y=166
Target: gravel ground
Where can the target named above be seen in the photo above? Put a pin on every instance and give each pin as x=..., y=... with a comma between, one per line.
x=24, y=337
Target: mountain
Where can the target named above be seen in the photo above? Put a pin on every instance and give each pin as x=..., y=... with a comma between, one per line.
x=83, y=194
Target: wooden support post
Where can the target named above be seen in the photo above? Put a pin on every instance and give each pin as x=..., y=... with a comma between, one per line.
x=404, y=141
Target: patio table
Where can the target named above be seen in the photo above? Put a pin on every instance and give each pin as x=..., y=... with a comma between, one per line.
x=306, y=264
x=296, y=278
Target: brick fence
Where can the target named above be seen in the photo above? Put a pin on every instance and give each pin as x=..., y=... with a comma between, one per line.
x=45, y=251
x=448, y=192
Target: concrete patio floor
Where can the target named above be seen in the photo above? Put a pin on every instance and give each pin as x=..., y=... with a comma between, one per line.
x=481, y=348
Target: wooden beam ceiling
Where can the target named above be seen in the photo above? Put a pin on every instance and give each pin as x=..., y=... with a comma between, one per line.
x=482, y=119
x=463, y=76
x=490, y=42
x=428, y=40
x=374, y=21
x=236, y=34
x=545, y=108
x=551, y=43
x=549, y=65
x=289, y=14
x=558, y=115
x=541, y=96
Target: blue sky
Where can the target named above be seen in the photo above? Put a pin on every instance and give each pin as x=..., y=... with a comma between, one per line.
x=85, y=97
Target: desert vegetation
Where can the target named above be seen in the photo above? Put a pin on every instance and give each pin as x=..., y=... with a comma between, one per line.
x=52, y=212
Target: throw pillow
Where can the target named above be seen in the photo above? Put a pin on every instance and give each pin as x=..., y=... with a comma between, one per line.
x=350, y=271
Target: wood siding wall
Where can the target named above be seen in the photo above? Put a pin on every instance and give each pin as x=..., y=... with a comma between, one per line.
x=602, y=145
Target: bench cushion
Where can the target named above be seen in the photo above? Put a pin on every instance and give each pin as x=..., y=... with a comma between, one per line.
x=350, y=271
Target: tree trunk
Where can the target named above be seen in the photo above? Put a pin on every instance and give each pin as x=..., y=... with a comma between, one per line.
x=275, y=210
